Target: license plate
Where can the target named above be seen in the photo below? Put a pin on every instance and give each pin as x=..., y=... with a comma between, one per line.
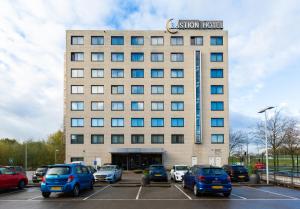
x=241, y=177
x=56, y=188
x=217, y=187
x=157, y=174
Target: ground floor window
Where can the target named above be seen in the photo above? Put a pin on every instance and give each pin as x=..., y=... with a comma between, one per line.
x=177, y=139
x=73, y=159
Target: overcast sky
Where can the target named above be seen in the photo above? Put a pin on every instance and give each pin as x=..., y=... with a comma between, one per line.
x=264, y=53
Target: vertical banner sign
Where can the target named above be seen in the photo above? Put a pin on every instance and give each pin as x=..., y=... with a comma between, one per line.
x=198, y=95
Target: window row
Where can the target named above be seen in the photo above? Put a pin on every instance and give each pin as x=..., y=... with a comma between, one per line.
x=155, y=40
x=139, y=122
x=139, y=56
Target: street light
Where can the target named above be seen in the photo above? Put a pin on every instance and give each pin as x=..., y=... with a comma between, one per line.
x=56, y=150
x=266, y=140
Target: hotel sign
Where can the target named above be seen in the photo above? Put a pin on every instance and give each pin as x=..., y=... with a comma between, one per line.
x=173, y=26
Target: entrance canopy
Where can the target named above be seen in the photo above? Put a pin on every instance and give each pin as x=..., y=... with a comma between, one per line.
x=116, y=150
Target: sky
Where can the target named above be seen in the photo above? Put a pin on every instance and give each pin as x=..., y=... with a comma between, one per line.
x=264, y=53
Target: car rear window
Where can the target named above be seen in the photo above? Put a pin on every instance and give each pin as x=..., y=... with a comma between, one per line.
x=238, y=168
x=181, y=168
x=158, y=167
x=41, y=169
x=213, y=171
x=59, y=170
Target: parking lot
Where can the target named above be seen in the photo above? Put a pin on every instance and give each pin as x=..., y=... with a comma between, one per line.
x=110, y=196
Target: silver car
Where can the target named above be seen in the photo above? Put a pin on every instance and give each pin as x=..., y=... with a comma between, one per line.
x=109, y=173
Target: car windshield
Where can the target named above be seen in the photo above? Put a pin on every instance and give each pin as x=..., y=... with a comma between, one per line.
x=213, y=171
x=108, y=168
x=181, y=168
x=2, y=170
x=238, y=168
x=41, y=169
x=61, y=170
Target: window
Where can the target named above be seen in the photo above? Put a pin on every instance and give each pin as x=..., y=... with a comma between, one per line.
x=117, y=57
x=157, y=73
x=177, y=73
x=77, y=40
x=216, y=57
x=137, y=57
x=97, y=139
x=137, y=89
x=157, y=122
x=76, y=89
x=157, y=40
x=177, y=40
x=217, y=122
x=117, y=106
x=117, y=139
x=97, y=56
x=97, y=89
x=77, y=122
x=77, y=56
x=177, y=106
x=137, y=122
x=97, y=40
x=97, y=73
x=177, y=139
x=137, y=73
x=216, y=89
x=216, y=40
x=137, y=106
x=177, y=57
x=76, y=106
x=137, y=40
x=117, y=40
x=216, y=73
x=117, y=122
x=117, y=89
x=157, y=106
x=177, y=89
x=97, y=122
x=157, y=89
x=137, y=139
x=197, y=40
x=217, y=138
x=77, y=73
x=77, y=139
x=157, y=139
x=177, y=122
x=157, y=57
x=217, y=106
x=117, y=73
x=73, y=159
x=97, y=106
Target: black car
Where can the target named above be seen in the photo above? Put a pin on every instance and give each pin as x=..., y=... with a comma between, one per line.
x=237, y=172
x=39, y=174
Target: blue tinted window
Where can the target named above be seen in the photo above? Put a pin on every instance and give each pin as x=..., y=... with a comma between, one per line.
x=216, y=40
x=117, y=73
x=217, y=122
x=137, y=73
x=216, y=57
x=157, y=73
x=97, y=40
x=117, y=106
x=157, y=122
x=177, y=89
x=177, y=73
x=137, y=57
x=177, y=106
x=137, y=89
x=216, y=89
x=77, y=122
x=117, y=122
x=177, y=122
x=117, y=40
x=137, y=106
x=97, y=122
x=217, y=106
x=217, y=138
x=216, y=73
x=117, y=56
x=137, y=122
x=77, y=105
x=137, y=40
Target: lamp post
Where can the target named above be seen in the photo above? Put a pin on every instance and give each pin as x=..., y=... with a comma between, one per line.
x=56, y=150
x=25, y=156
x=266, y=140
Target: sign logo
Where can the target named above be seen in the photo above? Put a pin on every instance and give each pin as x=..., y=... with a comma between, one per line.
x=173, y=26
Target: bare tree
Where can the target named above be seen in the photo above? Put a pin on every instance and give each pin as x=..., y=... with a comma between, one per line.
x=236, y=141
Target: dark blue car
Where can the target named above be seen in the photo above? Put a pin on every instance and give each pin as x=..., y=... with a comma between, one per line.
x=67, y=178
x=207, y=179
x=158, y=173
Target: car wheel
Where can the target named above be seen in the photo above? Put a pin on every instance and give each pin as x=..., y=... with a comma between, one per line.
x=196, y=191
x=183, y=184
x=75, y=191
x=46, y=194
x=227, y=194
x=21, y=184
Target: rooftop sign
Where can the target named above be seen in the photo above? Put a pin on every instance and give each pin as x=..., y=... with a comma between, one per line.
x=173, y=26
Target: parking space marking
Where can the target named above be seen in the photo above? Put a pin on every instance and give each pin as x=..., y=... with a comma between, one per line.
x=183, y=192
x=244, y=198
x=262, y=190
x=35, y=197
x=139, y=192
x=96, y=192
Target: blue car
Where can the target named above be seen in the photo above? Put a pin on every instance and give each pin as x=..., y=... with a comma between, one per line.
x=67, y=178
x=207, y=179
x=158, y=173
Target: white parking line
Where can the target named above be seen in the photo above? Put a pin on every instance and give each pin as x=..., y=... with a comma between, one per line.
x=183, y=192
x=138, y=194
x=96, y=192
x=283, y=195
x=244, y=198
x=35, y=197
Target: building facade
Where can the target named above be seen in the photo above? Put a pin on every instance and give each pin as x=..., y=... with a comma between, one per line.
x=136, y=98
